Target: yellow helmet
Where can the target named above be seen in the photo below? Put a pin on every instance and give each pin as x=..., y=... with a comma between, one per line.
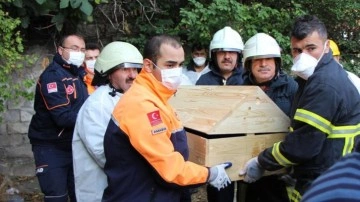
x=334, y=48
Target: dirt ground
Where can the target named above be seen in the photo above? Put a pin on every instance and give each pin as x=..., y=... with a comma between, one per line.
x=29, y=189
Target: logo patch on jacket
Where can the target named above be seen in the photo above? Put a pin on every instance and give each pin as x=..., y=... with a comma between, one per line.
x=69, y=89
x=158, y=130
x=154, y=118
x=52, y=87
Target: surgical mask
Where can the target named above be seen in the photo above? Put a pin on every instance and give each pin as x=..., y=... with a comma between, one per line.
x=76, y=58
x=199, y=61
x=304, y=64
x=171, y=78
x=90, y=64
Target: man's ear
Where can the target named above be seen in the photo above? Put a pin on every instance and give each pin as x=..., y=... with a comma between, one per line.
x=60, y=50
x=327, y=46
x=147, y=65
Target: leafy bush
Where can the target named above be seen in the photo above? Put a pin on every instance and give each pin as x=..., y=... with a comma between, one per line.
x=200, y=21
x=11, y=60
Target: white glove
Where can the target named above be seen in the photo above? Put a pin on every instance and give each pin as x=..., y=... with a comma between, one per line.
x=218, y=177
x=252, y=170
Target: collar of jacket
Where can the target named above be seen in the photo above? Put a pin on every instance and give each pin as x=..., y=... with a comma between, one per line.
x=71, y=68
x=148, y=81
x=326, y=59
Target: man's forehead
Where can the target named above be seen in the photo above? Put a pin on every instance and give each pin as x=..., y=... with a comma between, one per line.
x=71, y=40
x=170, y=53
x=312, y=39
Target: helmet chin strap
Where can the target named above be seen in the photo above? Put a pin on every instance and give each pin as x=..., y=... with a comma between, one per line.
x=114, y=90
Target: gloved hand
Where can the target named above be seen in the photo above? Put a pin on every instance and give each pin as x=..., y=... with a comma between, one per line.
x=252, y=170
x=218, y=177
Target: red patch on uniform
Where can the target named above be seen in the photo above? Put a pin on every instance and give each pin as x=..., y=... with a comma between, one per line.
x=52, y=87
x=154, y=118
x=69, y=89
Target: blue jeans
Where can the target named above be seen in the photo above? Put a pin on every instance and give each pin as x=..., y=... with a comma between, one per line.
x=54, y=170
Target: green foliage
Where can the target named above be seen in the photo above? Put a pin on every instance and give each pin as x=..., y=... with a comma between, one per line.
x=11, y=61
x=144, y=20
x=60, y=12
x=200, y=21
x=342, y=20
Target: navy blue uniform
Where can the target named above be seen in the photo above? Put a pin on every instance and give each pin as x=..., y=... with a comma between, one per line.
x=60, y=92
x=341, y=182
x=326, y=117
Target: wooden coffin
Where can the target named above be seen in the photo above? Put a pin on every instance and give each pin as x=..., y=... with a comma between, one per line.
x=228, y=123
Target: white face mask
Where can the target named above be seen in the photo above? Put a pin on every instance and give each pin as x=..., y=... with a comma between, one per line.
x=90, y=64
x=76, y=58
x=171, y=78
x=199, y=61
x=304, y=64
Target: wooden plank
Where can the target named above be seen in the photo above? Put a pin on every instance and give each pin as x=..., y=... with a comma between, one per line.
x=237, y=150
x=198, y=149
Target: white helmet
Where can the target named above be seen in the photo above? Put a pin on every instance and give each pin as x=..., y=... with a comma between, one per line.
x=260, y=45
x=118, y=54
x=226, y=39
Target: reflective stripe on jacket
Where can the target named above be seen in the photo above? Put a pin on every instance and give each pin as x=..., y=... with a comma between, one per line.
x=326, y=121
x=146, y=147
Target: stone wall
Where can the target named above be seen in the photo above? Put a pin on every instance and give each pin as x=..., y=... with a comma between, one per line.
x=16, y=158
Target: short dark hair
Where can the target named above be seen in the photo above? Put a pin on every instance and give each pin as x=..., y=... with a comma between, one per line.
x=152, y=46
x=63, y=38
x=307, y=24
x=198, y=47
x=92, y=46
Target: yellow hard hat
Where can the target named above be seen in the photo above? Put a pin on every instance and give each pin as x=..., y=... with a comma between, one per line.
x=334, y=48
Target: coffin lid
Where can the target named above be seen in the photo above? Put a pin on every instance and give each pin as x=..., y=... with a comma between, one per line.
x=220, y=110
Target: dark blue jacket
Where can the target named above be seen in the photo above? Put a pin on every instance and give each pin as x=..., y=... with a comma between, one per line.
x=214, y=78
x=60, y=92
x=281, y=90
x=325, y=122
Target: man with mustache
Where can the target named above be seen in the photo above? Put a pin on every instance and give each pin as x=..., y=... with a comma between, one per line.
x=226, y=69
x=262, y=62
x=115, y=70
x=225, y=59
x=325, y=114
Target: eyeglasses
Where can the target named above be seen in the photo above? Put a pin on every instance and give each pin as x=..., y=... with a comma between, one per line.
x=75, y=48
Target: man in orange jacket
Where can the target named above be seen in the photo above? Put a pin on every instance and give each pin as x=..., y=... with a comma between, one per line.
x=145, y=143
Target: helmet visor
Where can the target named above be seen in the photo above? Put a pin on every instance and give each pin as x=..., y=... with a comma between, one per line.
x=226, y=49
x=264, y=56
x=129, y=65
